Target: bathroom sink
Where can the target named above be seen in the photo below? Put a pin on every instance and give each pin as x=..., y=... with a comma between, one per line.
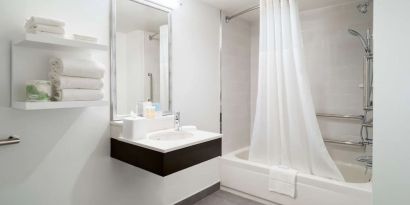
x=170, y=135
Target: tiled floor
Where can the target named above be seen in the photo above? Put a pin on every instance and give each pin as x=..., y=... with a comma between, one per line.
x=225, y=198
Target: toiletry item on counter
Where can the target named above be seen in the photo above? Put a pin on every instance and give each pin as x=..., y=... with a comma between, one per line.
x=158, y=111
x=80, y=37
x=77, y=95
x=140, y=107
x=157, y=106
x=68, y=82
x=149, y=112
x=44, y=25
x=38, y=90
x=77, y=67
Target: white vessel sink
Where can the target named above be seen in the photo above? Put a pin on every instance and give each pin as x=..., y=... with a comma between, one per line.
x=170, y=135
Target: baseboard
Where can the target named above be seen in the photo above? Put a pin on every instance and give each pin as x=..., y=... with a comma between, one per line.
x=247, y=196
x=200, y=195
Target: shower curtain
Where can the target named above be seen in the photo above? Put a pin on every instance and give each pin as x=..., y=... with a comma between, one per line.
x=286, y=131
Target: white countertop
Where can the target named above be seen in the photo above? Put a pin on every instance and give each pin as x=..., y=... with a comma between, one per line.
x=172, y=145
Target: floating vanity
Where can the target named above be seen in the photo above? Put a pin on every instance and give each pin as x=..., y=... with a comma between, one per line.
x=165, y=151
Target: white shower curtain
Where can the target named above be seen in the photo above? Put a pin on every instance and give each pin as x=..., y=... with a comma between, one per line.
x=286, y=130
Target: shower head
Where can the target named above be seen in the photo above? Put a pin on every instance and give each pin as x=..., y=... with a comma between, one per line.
x=364, y=42
x=362, y=7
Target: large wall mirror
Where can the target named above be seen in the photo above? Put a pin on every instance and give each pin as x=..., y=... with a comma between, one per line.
x=140, y=56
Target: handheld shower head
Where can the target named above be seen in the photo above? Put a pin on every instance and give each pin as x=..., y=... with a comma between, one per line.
x=364, y=42
x=353, y=32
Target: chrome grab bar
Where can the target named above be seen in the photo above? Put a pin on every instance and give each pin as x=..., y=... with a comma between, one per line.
x=357, y=117
x=344, y=142
x=150, y=88
x=10, y=140
x=367, y=125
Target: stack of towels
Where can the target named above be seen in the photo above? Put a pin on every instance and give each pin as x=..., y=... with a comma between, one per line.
x=76, y=79
x=44, y=25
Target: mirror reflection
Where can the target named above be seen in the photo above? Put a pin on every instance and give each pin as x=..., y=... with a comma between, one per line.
x=142, y=57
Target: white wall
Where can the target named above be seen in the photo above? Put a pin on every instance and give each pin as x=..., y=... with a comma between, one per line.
x=131, y=59
x=235, y=72
x=254, y=68
x=151, y=65
x=392, y=100
x=137, y=56
x=121, y=64
x=64, y=154
x=195, y=65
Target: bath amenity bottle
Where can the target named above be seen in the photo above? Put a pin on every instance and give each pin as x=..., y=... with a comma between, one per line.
x=140, y=107
x=158, y=111
x=149, y=112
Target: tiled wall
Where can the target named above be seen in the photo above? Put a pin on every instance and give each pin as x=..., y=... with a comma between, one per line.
x=235, y=75
x=334, y=61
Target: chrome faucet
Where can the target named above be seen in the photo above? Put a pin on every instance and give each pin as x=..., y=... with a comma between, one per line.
x=177, y=121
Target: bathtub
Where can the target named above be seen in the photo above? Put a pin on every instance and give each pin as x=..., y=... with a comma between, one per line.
x=250, y=179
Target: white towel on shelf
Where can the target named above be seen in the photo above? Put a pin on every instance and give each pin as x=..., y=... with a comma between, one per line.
x=77, y=95
x=283, y=180
x=85, y=38
x=77, y=67
x=36, y=28
x=35, y=20
x=66, y=82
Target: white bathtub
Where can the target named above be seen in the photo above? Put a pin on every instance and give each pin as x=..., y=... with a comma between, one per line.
x=251, y=180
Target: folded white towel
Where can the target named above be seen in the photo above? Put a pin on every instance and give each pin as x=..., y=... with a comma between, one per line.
x=283, y=180
x=66, y=82
x=77, y=95
x=35, y=20
x=85, y=38
x=36, y=28
x=77, y=67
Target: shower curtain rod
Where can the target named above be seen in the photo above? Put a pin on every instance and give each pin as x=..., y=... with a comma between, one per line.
x=229, y=18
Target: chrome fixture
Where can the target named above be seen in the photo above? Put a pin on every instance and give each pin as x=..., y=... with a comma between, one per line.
x=344, y=142
x=229, y=18
x=151, y=93
x=367, y=161
x=357, y=117
x=366, y=121
x=177, y=121
x=365, y=43
x=10, y=140
x=152, y=36
x=362, y=7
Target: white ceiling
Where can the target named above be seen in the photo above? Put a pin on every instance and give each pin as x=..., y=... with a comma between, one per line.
x=230, y=7
x=134, y=16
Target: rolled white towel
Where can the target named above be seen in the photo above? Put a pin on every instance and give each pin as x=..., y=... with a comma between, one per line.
x=77, y=95
x=36, y=28
x=77, y=67
x=35, y=20
x=66, y=82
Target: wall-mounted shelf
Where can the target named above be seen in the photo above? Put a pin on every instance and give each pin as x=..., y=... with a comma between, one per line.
x=56, y=105
x=50, y=41
x=30, y=56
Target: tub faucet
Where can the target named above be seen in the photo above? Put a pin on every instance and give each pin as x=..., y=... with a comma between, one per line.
x=177, y=121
